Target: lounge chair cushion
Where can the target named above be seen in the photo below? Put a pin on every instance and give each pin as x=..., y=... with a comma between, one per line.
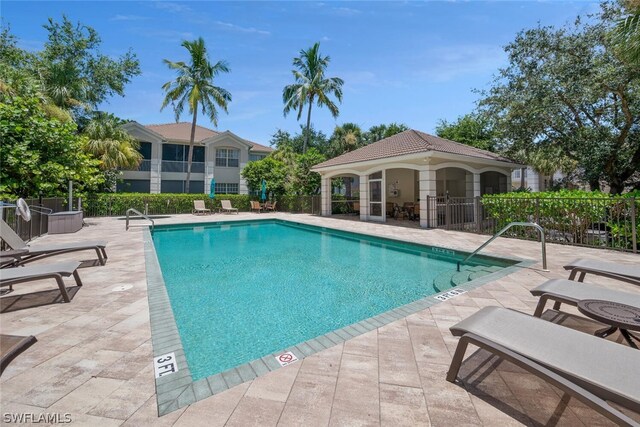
x=11, y=346
x=591, y=362
x=33, y=272
x=605, y=268
x=576, y=291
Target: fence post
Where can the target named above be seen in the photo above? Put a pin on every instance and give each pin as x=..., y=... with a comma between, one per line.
x=537, y=211
x=634, y=231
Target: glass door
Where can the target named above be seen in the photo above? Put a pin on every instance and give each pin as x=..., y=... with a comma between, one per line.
x=375, y=197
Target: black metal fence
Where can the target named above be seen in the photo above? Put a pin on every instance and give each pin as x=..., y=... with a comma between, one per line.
x=607, y=222
x=39, y=223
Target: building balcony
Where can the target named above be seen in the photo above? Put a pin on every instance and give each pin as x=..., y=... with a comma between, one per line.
x=144, y=166
x=173, y=166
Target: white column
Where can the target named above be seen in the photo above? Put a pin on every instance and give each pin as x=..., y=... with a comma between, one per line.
x=155, y=176
x=364, y=197
x=208, y=176
x=242, y=187
x=509, y=184
x=476, y=185
x=468, y=180
x=427, y=185
x=325, y=196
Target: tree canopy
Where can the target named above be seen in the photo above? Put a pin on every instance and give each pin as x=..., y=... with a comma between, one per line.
x=470, y=129
x=566, y=92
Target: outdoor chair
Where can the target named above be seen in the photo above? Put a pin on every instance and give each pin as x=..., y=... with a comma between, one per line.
x=199, y=208
x=226, y=206
x=570, y=292
x=270, y=207
x=12, y=276
x=255, y=206
x=11, y=346
x=624, y=272
x=36, y=252
x=586, y=367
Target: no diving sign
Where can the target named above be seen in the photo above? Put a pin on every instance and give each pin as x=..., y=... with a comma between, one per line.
x=286, y=358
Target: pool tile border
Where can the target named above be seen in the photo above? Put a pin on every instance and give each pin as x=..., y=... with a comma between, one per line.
x=178, y=389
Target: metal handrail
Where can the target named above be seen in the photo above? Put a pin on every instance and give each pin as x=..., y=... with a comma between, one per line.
x=499, y=233
x=140, y=214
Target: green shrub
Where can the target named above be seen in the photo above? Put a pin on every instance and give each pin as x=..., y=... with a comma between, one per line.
x=567, y=215
x=110, y=204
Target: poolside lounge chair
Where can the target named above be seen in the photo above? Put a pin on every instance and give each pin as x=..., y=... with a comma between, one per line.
x=35, y=252
x=570, y=292
x=199, y=208
x=11, y=276
x=226, y=206
x=11, y=346
x=270, y=207
x=586, y=367
x=255, y=206
x=625, y=272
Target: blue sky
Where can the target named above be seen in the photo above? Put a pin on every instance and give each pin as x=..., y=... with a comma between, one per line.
x=408, y=62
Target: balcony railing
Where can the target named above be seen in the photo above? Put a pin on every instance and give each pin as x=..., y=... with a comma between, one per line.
x=173, y=166
x=144, y=166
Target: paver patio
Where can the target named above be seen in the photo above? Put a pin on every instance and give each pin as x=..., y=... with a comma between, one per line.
x=93, y=355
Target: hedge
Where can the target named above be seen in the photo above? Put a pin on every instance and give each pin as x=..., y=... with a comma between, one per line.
x=115, y=204
x=569, y=214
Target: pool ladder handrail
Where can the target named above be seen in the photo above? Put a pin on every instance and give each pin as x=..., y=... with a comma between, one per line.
x=499, y=233
x=140, y=214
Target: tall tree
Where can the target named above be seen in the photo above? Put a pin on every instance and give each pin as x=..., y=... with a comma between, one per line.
x=311, y=86
x=470, y=129
x=587, y=105
x=74, y=74
x=193, y=87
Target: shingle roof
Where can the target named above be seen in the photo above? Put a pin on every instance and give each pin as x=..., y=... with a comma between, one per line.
x=181, y=131
x=409, y=142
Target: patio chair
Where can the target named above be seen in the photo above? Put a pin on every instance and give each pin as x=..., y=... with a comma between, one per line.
x=36, y=252
x=586, y=367
x=570, y=292
x=255, y=206
x=199, y=208
x=11, y=346
x=270, y=207
x=624, y=272
x=226, y=206
x=12, y=276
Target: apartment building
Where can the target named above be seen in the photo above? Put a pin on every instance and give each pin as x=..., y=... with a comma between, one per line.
x=165, y=150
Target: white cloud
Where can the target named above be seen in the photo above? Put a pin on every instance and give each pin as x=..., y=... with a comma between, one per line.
x=129, y=18
x=173, y=7
x=325, y=39
x=444, y=63
x=346, y=11
x=234, y=27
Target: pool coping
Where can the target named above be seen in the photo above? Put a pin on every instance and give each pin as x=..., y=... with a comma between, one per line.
x=177, y=389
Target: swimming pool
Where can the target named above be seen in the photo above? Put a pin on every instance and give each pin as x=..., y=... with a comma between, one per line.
x=243, y=290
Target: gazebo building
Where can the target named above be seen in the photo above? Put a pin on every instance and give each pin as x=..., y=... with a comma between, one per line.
x=412, y=174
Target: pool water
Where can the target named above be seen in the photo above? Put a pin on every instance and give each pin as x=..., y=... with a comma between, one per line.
x=242, y=291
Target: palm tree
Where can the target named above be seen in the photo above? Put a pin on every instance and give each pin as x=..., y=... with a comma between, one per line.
x=194, y=87
x=311, y=86
x=111, y=144
x=627, y=34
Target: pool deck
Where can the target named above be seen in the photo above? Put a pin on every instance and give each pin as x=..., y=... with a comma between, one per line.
x=93, y=355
